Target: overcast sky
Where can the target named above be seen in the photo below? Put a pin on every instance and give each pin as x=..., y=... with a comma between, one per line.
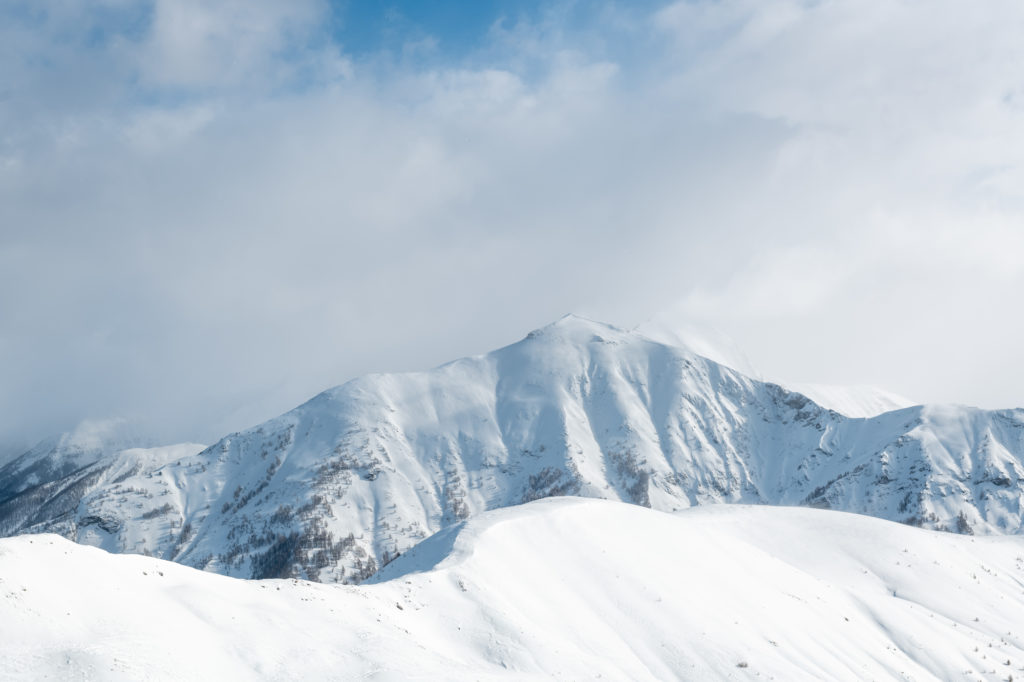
x=209, y=211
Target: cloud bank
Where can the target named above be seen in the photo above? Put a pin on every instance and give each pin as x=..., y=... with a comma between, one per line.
x=210, y=211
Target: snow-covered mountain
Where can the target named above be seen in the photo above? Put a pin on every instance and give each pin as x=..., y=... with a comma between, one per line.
x=339, y=486
x=54, y=458
x=557, y=589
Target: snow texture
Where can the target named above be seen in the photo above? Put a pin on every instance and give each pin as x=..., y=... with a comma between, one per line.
x=557, y=589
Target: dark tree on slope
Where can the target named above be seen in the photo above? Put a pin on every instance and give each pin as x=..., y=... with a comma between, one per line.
x=278, y=560
x=963, y=526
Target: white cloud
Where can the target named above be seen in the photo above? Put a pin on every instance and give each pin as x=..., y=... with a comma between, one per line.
x=264, y=216
x=199, y=43
x=156, y=129
x=777, y=284
x=889, y=223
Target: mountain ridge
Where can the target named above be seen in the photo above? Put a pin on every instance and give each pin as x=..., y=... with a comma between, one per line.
x=337, y=487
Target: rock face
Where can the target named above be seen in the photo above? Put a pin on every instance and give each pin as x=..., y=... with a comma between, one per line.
x=339, y=486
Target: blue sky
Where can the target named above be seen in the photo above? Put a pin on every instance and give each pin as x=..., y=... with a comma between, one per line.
x=459, y=28
x=211, y=210
x=456, y=31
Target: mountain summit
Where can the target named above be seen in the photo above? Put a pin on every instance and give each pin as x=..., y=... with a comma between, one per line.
x=342, y=484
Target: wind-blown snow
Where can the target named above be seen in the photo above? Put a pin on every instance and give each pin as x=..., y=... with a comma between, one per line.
x=704, y=341
x=853, y=401
x=557, y=589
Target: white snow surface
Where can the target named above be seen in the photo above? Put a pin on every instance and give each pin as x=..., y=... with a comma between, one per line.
x=335, y=488
x=557, y=589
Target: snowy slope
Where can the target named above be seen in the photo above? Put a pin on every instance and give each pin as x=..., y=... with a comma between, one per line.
x=557, y=589
x=115, y=517
x=340, y=485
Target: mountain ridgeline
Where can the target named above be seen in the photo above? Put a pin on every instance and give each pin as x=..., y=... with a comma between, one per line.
x=341, y=485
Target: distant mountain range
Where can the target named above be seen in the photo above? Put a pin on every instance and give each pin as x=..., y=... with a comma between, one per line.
x=341, y=485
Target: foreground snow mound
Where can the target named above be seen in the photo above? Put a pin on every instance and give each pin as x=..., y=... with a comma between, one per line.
x=564, y=589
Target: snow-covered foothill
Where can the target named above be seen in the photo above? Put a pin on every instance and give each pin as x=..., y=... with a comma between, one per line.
x=557, y=589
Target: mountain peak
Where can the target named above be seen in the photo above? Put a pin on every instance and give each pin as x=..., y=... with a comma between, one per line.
x=577, y=328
